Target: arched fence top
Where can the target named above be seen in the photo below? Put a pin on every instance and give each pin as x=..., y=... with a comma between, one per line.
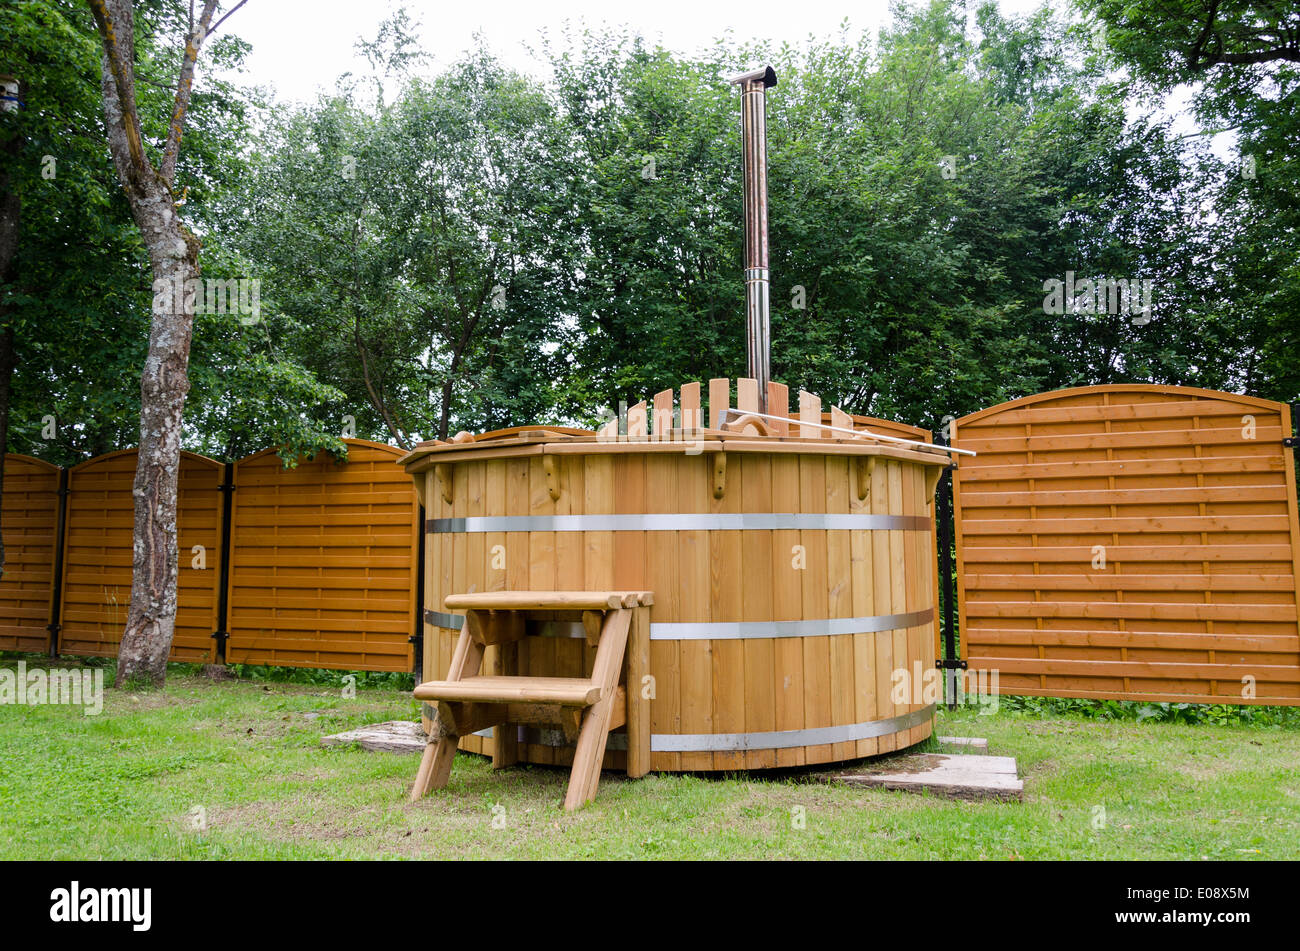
x=350, y=442
x=30, y=460
x=100, y=460
x=1191, y=393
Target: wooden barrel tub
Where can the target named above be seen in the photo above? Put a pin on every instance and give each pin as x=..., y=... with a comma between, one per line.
x=793, y=577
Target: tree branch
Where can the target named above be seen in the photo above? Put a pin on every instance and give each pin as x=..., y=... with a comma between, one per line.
x=184, y=85
x=116, y=29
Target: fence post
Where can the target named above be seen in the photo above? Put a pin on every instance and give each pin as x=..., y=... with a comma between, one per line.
x=417, y=638
x=60, y=540
x=227, y=490
x=950, y=663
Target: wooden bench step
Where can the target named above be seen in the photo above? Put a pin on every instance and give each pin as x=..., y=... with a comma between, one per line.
x=564, y=691
x=548, y=600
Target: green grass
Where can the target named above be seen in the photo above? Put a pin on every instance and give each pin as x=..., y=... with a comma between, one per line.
x=124, y=785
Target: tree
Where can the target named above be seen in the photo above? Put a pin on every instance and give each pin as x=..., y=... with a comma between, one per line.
x=147, y=180
x=414, y=250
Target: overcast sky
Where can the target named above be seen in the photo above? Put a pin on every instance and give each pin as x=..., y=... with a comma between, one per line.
x=300, y=46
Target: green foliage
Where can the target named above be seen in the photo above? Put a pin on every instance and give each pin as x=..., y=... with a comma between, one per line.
x=1216, y=714
x=361, y=679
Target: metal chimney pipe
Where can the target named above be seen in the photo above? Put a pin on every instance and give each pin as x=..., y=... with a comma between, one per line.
x=753, y=124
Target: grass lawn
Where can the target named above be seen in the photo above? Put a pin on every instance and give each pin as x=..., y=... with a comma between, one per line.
x=129, y=784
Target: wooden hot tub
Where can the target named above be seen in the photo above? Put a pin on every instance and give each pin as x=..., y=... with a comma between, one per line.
x=793, y=572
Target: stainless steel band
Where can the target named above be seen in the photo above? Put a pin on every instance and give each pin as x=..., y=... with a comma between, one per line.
x=783, y=739
x=455, y=622
x=541, y=736
x=726, y=630
x=684, y=522
x=739, y=742
x=821, y=627
x=438, y=619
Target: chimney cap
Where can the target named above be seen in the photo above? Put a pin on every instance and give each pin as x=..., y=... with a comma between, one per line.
x=765, y=73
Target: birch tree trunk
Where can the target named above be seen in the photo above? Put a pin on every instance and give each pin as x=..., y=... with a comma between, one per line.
x=164, y=384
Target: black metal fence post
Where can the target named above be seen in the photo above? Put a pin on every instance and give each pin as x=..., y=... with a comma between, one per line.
x=227, y=489
x=950, y=662
x=417, y=638
x=60, y=539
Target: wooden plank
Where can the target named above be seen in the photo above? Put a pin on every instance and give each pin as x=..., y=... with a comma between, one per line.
x=663, y=415
x=539, y=600
x=638, y=704
x=663, y=576
x=839, y=602
x=757, y=605
x=587, y=758
x=719, y=400
x=637, y=425
x=883, y=599
x=778, y=404
x=628, y=495
x=565, y=691
x=727, y=580
x=695, y=657
x=789, y=561
x=690, y=405
x=810, y=415
x=814, y=583
x=747, y=394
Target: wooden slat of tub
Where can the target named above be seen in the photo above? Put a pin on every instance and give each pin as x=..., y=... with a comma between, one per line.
x=726, y=594
x=747, y=394
x=760, y=654
x=690, y=404
x=627, y=494
x=882, y=594
x=637, y=424
x=913, y=504
x=810, y=415
x=518, y=577
x=778, y=404
x=494, y=570
x=719, y=400
x=787, y=605
x=663, y=577
x=542, y=576
x=663, y=414
x=864, y=605
x=476, y=546
x=695, y=657
x=839, y=601
x=816, y=650
x=898, y=579
x=432, y=549
x=459, y=571
x=598, y=553
x=570, y=574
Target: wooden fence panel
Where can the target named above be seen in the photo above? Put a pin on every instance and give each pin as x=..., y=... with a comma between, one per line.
x=97, y=556
x=30, y=523
x=1132, y=543
x=323, y=561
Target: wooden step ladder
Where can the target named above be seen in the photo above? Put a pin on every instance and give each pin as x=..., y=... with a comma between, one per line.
x=586, y=709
